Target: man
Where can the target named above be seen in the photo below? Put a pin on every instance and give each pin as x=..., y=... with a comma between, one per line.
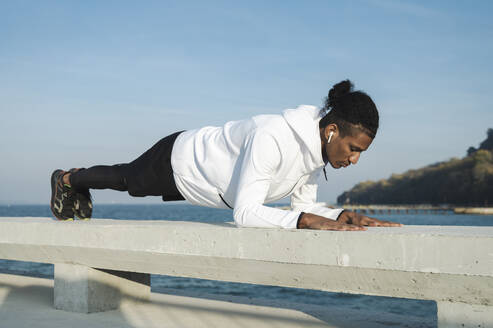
x=243, y=165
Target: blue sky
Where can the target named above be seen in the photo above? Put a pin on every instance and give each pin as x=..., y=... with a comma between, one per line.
x=98, y=82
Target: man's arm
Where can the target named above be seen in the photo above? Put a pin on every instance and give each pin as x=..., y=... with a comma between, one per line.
x=321, y=217
x=259, y=160
x=304, y=199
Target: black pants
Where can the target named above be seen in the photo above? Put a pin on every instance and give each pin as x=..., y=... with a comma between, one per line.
x=149, y=175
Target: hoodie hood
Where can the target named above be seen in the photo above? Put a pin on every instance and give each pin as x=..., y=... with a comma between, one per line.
x=304, y=120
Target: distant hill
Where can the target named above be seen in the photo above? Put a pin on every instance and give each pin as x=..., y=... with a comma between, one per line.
x=467, y=181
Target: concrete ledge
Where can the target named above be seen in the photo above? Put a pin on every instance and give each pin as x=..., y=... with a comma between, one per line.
x=442, y=263
x=437, y=249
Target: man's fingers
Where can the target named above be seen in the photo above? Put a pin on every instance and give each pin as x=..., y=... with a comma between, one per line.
x=392, y=224
x=353, y=227
x=344, y=227
x=389, y=224
x=367, y=221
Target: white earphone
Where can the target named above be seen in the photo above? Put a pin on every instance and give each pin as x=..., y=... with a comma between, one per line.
x=330, y=136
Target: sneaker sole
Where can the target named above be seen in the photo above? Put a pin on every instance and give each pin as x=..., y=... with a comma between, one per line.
x=53, y=197
x=77, y=211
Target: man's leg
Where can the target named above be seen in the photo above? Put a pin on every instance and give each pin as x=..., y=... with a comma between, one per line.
x=98, y=177
x=150, y=174
x=70, y=189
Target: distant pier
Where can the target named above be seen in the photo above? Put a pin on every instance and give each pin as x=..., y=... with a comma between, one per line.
x=411, y=209
x=474, y=210
x=400, y=209
x=418, y=209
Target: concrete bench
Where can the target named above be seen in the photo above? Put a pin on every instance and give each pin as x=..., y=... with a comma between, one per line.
x=99, y=261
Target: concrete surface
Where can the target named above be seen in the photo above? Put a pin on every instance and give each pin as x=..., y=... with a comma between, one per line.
x=442, y=263
x=83, y=289
x=438, y=249
x=459, y=315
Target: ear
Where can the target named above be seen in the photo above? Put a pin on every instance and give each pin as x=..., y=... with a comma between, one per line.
x=331, y=128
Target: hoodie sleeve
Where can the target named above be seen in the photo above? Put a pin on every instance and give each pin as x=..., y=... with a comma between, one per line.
x=260, y=158
x=304, y=199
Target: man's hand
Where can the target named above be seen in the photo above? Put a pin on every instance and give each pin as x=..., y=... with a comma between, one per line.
x=348, y=217
x=312, y=221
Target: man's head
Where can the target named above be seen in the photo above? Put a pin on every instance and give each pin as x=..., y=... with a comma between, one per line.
x=352, y=119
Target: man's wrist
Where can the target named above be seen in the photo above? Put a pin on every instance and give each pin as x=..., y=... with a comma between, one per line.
x=340, y=215
x=298, y=223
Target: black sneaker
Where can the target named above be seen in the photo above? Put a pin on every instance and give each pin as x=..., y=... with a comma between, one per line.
x=62, y=197
x=83, y=202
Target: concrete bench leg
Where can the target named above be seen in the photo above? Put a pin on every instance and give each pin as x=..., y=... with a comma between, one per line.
x=451, y=315
x=83, y=289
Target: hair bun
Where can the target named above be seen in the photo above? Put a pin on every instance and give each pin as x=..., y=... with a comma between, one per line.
x=338, y=90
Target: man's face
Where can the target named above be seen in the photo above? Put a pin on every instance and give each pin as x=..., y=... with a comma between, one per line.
x=341, y=152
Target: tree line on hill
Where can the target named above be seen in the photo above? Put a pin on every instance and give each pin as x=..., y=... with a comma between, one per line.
x=465, y=182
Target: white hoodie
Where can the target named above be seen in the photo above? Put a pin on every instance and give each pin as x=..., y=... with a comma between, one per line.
x=251, y=162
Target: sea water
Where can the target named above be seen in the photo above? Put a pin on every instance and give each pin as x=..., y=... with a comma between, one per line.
x=216, y=289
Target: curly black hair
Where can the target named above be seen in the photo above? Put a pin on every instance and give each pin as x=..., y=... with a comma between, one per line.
x=350, y=110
